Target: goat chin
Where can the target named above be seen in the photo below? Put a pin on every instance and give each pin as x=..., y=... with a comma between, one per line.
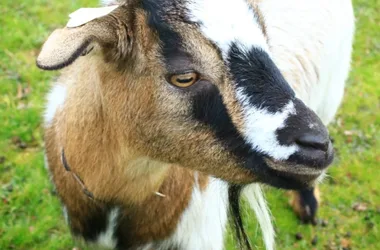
x=257, y=202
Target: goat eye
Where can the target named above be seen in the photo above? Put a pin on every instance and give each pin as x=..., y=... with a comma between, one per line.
x=184, y=80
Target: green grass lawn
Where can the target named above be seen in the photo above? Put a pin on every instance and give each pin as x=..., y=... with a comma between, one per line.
x=30, y=215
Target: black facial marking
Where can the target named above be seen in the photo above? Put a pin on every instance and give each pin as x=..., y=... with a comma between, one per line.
x=262, y=81
x=252, y=70
x=158, y=13
x=297, y=125
x=208, y=108
x=263, y=84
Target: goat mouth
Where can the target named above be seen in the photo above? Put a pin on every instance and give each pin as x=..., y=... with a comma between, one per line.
x=286, y=180
x=293, y=169
x=285, y=176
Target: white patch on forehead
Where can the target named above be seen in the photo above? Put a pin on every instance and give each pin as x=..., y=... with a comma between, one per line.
x=260, y=127
x=228, y=21
x=56, y=98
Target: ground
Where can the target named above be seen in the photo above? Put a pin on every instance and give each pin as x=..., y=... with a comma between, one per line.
x=30, y=215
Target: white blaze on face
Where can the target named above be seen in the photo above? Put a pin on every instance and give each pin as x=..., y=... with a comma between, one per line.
x=260, y=128
x=233, y=21
x=228, y=21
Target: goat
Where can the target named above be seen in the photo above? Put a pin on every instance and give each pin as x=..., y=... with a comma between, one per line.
x=167, y=110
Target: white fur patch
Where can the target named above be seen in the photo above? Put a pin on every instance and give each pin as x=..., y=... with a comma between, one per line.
x=106, y=238
x=256, y=200
x=311, y=44
x=56, y=98
x=228, y=21
x=46, y=163
x=202, y=225
x=65, y=214
x=261, y=125
x=85, y=15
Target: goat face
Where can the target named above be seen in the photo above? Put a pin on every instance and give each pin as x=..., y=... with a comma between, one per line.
x=192, y=89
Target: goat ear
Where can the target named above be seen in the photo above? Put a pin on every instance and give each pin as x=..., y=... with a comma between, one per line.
x=62, y=48
x=65, y=45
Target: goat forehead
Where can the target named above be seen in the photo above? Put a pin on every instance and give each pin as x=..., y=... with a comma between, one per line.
x=226, y=22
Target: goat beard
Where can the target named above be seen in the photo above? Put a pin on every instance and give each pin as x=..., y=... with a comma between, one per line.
x=236, y=221
x=258, y=204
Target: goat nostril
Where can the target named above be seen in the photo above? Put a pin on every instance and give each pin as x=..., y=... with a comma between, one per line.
x=313, y=141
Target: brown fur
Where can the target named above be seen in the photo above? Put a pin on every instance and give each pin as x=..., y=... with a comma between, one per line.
x=151, y=216
x=157, y=217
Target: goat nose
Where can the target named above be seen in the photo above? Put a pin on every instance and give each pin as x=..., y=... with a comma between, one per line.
x=314, y=141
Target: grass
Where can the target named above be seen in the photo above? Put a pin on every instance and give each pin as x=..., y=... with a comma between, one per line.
x=30, y=215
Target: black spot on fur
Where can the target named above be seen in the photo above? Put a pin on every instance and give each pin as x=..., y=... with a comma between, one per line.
x=259, y=77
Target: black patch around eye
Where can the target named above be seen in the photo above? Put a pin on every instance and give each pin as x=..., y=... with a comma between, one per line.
x=209, y=109
x=262, y=81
